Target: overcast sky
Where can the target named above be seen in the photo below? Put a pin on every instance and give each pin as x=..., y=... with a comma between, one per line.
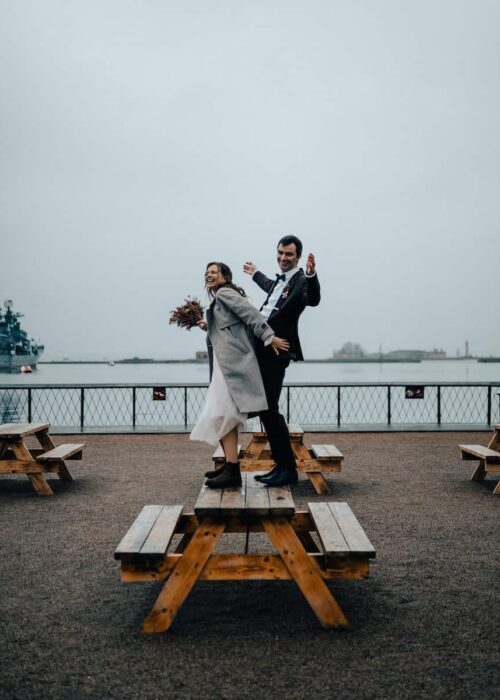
x=141, y=139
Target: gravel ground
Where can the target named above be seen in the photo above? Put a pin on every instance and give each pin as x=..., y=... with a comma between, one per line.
x=424, y=625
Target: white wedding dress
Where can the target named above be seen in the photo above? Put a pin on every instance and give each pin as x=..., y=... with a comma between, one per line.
x=220, y=414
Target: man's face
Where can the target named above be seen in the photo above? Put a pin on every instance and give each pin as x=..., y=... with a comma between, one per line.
x=287, y=257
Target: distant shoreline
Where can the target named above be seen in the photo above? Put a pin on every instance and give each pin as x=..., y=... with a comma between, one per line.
x=367, y=360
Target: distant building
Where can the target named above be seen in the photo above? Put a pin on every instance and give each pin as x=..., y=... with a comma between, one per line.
x=349, y=351
x=201, y=356
x=434, y=354
x=404, y=355
x=354, y=351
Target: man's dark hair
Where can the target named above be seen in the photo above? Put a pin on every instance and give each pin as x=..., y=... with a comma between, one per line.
x=288, y=240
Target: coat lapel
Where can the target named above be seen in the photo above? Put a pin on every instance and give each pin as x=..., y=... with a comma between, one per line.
x=287, y=293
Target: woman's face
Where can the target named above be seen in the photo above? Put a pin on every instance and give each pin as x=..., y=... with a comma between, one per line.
x=213, y=277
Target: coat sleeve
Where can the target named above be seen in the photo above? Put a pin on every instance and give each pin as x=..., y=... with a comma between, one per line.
x=241, y=307
x=312, y=293
x=264, y=282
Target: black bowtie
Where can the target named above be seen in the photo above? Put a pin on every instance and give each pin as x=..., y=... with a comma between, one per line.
x=280, y=277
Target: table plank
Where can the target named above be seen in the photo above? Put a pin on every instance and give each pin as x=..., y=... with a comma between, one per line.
x=232, y=501
x=61, y=452
x=257, y=495
x=26, y=466
x=162, y=531
x=138, y=533
x=281, y=501
x=480, y=452
x=329, y=532
x=326, y=452
x=19, y=430
x=351, y=529
x=208, y=502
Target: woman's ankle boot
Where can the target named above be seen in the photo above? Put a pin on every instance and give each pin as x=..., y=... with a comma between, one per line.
x=230, y=477
x=215, y=472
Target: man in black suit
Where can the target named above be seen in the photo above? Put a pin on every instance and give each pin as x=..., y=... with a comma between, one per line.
x=287, y=297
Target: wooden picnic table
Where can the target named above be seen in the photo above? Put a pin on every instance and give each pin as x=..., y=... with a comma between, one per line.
x=17, y=458
x=313, y=461
x=341, y=549
x=488, y=457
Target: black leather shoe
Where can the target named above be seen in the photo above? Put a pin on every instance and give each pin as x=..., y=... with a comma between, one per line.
x=281, y=478
x=268, y=474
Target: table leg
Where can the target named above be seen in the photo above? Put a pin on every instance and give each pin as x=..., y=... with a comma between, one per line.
x=318, y=481
x=184, y=576
x=479, y=472
x=183, y=542
x=315, y=477
x=48, y=444
x=255, y=448
x=38, y=481
x=305, y=572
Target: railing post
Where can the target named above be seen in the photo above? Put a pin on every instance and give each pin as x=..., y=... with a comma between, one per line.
x=388, y=405
x=29, y=405
x=185, y=408
x=439, y=405
x=488, y=418
x=82, y=407
x=133, y=406
x=288, y=404
x=338, y=407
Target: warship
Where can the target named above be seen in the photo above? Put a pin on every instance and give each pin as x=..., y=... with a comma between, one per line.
x=17, y=351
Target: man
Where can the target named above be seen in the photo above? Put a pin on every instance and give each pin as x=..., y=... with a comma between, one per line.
x=287, y=297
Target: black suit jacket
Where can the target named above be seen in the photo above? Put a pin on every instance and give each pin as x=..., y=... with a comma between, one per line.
x=299, y=292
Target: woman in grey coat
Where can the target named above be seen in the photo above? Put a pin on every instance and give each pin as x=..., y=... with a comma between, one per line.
x=236, y=388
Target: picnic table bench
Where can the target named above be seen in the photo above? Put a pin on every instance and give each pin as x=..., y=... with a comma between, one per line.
x=489, y=457
x=17, y=458
x=325, y=541
x=312, y=461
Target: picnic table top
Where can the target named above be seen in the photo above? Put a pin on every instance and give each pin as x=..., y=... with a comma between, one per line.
x=293, y=428
x=9, y=430
x=252, y=498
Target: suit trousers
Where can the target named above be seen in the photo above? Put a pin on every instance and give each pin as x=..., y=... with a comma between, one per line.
x=273, y=368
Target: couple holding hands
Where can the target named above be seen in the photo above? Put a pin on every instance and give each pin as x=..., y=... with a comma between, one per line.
x=249, y=352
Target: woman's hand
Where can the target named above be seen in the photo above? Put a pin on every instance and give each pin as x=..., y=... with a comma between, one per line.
x=202, y=324
x=278, y=344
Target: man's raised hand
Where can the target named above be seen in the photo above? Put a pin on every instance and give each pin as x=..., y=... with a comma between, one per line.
x=311, y=264
x=249, y=267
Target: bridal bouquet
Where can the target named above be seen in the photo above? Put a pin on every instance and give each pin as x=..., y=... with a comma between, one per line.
x=188, y=314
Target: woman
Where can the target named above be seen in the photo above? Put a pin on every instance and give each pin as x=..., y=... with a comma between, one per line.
x=236, y=387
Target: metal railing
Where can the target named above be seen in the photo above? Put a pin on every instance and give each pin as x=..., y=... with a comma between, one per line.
x=175, y=407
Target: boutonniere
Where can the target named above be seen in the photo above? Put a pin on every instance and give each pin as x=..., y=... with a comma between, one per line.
x=285, y=292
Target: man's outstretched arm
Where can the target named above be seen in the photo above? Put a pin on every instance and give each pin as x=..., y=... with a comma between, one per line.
x=312, y=289
x=259, y=278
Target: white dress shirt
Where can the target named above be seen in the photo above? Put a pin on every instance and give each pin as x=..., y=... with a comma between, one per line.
x=277, y=291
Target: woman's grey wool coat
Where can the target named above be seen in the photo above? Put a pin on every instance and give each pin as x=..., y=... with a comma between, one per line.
x=232, y=325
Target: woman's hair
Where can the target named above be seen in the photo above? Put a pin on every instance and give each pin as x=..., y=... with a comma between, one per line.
x=228, y=279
